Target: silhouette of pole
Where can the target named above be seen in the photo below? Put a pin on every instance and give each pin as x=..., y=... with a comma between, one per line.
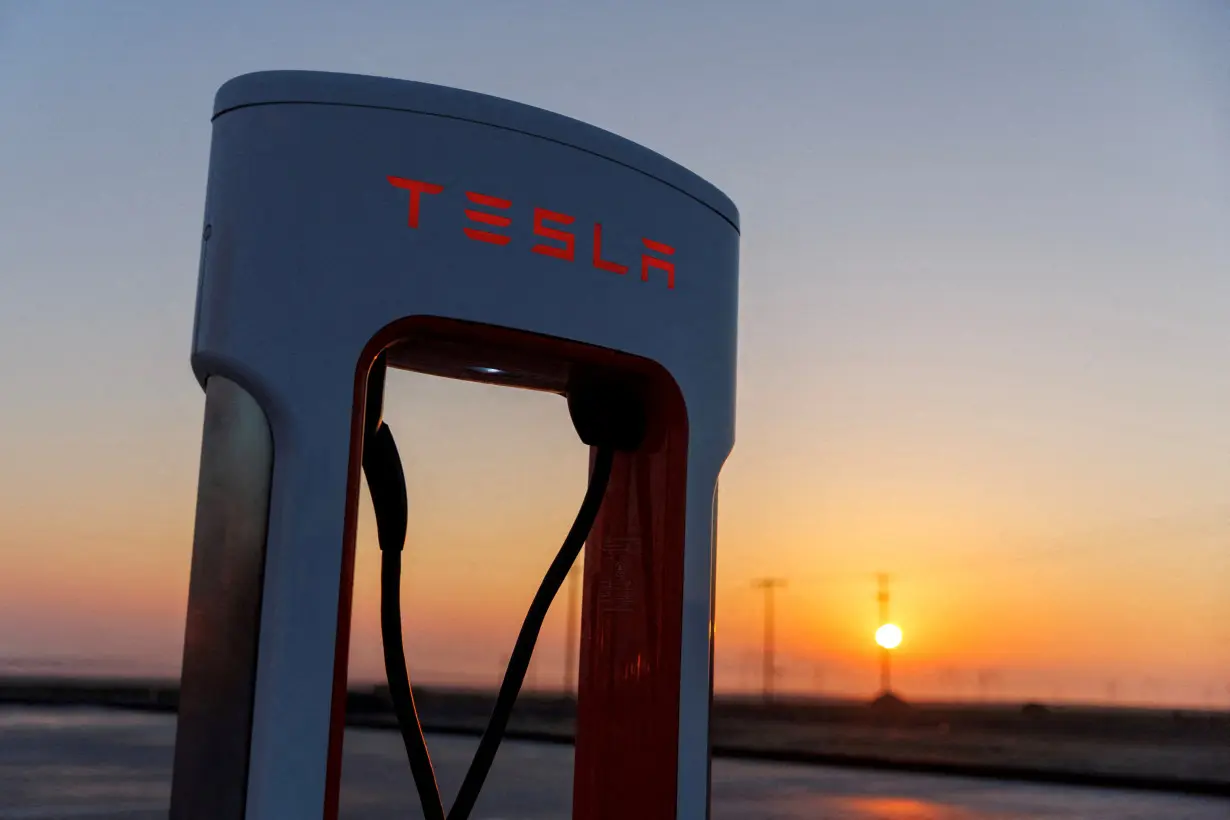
x=570, y=633
x=769, y=586
x=886, y=656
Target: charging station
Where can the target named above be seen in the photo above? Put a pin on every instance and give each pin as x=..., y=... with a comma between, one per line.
x=352, y=220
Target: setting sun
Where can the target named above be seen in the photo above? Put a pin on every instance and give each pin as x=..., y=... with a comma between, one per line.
x=889, y=636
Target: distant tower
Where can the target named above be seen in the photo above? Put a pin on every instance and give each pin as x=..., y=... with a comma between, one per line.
x=769, y=585
x=886, y=656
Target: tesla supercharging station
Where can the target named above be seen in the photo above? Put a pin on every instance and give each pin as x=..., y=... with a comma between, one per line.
x=446, y=232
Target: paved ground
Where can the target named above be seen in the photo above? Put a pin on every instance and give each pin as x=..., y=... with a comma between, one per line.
x=65, y=764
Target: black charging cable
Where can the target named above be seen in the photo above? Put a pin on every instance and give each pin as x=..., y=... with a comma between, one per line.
x=523, y=649
x=607, y=418
x=387, y=484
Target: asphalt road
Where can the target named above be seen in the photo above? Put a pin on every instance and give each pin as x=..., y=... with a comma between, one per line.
x=62, y=764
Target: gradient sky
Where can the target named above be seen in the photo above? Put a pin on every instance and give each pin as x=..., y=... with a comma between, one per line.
x=984, y=347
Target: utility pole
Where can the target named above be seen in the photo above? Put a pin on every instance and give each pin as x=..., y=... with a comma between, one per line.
x=886, y=656
x=769, y=585
x=570, y=633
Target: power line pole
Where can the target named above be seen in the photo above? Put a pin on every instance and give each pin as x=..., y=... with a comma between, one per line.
x=769, y=585
x=570, y=633
x=886, y=656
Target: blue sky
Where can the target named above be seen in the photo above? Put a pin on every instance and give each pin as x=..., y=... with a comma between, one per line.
x=984, y=271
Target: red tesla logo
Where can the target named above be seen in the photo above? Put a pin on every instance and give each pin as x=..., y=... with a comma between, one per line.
x=548, y=225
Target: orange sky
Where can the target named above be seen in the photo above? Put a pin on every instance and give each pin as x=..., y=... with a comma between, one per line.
x=494, y=477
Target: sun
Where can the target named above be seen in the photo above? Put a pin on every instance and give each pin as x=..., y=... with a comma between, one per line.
x=889, y=636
